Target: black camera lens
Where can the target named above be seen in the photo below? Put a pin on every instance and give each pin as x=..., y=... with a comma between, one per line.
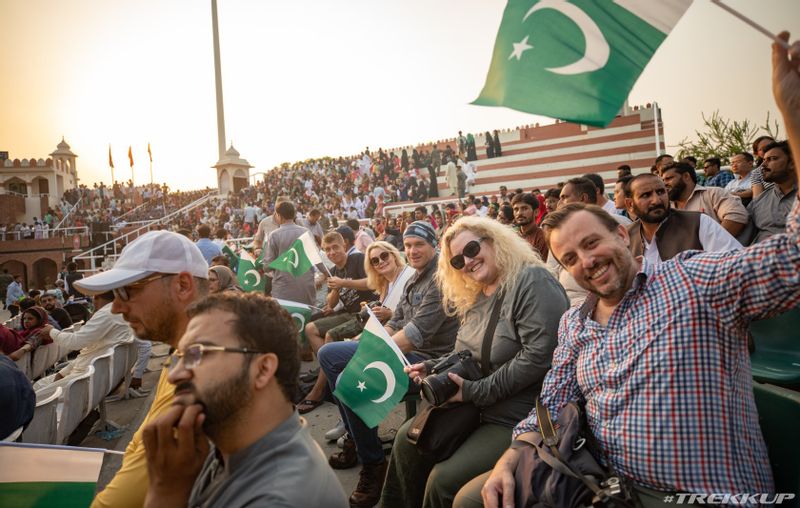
x=438, y=388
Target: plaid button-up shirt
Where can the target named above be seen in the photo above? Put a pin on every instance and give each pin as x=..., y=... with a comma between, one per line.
x=667, y=382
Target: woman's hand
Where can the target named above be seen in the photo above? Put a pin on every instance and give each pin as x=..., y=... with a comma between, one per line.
x=416, y=372
x=382, y=313
x=459, y=381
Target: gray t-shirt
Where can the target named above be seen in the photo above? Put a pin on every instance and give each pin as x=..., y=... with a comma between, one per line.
x=285, y=285
x=285, y=468
x=522, y=349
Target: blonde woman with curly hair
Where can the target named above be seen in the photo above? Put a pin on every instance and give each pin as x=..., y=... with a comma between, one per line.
x=482, y=264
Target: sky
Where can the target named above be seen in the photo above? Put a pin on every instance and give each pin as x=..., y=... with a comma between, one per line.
x=311, y=78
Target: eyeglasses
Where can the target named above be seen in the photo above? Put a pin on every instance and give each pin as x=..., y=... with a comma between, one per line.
x=383, y=256
x=123, y=293
x=192, y=355
x=471, y=249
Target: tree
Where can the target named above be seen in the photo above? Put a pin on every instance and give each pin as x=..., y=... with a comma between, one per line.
x=723, y=138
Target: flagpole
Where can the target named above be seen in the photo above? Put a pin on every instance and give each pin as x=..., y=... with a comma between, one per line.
x=111, y=164
x=150, y=154
x=750, y=22
x=658, y=136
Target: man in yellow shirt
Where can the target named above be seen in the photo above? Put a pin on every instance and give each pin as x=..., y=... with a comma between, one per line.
x=155, y=279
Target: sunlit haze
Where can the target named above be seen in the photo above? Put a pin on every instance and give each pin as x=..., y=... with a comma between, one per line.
x=314, y=78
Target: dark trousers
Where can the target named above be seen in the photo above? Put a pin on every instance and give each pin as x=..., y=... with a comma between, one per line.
x=414, y=479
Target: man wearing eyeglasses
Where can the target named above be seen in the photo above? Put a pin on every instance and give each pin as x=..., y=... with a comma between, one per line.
x=155, y=279
x=234, y=372
x=421, y=329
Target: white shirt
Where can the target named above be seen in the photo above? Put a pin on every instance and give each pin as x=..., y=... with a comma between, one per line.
x=396, y=288
x=740, y=184
x=610, y=207
x=713, y=238
x=101, y=332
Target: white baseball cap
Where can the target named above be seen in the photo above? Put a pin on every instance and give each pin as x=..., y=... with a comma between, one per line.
x=153, y=252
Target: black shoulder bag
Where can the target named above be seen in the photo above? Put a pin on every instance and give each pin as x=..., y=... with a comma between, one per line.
x=439, y=431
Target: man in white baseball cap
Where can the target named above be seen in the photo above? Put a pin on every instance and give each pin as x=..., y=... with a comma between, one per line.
x=155, y=279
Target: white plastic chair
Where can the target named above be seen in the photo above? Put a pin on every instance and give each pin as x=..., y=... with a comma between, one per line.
x=24, y=364
x=101, y=379
x=74, y=404
x=44, y=357
x=13, y=436
x=44, y=426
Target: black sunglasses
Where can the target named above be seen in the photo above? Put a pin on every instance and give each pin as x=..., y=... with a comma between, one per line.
x=471, y=249
x=383, y=256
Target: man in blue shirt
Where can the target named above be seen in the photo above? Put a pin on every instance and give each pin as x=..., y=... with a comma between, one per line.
x=206, y=246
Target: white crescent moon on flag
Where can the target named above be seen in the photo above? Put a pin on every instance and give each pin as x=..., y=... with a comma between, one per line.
x=255, y=274
x=597, y=50
x=301, y=318
x=296, y=257
x=390, y=381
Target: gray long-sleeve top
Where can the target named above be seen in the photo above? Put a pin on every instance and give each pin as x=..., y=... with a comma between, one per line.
x=420, y=314
x=523, y=344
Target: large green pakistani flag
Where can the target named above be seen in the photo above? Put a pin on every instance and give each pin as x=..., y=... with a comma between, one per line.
x=300, y=313
x=42, y=475
x=373, y=381
x=300, y=257
x=575, y=60
x=248, y=276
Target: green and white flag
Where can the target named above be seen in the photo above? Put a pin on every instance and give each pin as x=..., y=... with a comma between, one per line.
x=233, y=259
x=373, y=381
x=248, y=276
x=42, y=475
x=300, y=257
x=300, y=313
x=575, y=60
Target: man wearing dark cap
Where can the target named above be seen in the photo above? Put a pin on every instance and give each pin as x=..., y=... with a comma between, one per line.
x=421, y=329
x=155, y=279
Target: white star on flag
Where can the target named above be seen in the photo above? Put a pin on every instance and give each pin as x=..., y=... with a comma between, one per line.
x=519, y=48
x=361, y=386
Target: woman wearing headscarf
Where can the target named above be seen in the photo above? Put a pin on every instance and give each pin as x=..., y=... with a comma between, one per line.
x=33, y=320
x=221, y=278
x=483, y=264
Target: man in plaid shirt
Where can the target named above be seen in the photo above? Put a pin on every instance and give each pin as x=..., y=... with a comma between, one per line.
x=659, y=353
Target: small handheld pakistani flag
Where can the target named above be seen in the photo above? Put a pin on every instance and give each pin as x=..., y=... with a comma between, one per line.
x=575, y=60
x=233, y=259
x=300, y=257
x=373, y=381
x=300, y=313
x=43, y=475
x=250, y=279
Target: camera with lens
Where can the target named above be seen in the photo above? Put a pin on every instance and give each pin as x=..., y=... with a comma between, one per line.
x=437, y=387
x=363, y=316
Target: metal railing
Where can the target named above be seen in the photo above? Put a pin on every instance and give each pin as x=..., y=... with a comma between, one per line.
x=66, y=215
x=151, y=201
x=102, y=250
x=402, y=207
x=45, y=234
